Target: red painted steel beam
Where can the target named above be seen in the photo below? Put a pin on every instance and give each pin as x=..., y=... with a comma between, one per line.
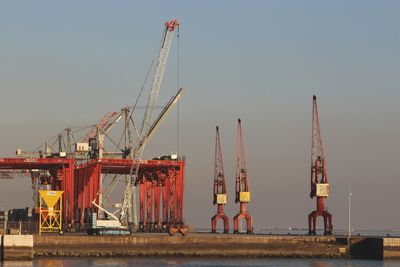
x=33, y=163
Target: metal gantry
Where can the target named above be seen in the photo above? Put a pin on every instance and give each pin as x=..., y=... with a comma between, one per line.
x=220, y=196
x=319, y=177
x=242, y=185
x=79, y=170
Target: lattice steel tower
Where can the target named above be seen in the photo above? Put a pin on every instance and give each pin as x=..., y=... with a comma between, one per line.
x=319, y=177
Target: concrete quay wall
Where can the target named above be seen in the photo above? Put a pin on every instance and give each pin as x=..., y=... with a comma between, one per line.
x=22, y=247
x=391, y=248
x=191, y=245
x=16, y=247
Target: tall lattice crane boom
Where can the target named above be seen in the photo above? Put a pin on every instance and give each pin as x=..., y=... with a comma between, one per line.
x=170, y=26
x=219, y=176
x=220, y=196
x=318, y=163
x=319, y=178
x=242, y=185
x=242, y=182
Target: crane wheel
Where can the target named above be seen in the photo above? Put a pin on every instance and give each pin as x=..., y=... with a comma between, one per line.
x=183, y=231
x=172, y=230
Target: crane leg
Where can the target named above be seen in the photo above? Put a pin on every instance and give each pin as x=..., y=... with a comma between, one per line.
x=214, y=221
x=312, y=221
x=249, y=223
x=243, y=214
x=142, y=207
x=220, y=215
x=328, y=227
x=149, y=206
x=157, y=205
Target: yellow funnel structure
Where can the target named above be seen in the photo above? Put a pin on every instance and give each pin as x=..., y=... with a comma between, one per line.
x=50, y=219
x=50, y=197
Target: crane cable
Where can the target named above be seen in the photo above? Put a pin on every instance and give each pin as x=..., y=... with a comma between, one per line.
x=178, y=85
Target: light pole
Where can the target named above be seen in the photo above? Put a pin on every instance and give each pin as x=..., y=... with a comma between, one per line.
x=349, y=231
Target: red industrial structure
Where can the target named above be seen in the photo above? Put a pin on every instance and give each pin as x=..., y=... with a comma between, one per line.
x=319, y=177
x=157, y=178
x=220, y=196
x=79, y=173
x=80, y=184
x=161, y=190
x=61, y=172
x=242, y=185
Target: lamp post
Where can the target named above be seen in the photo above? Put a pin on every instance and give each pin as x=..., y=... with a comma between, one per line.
x=349, y=231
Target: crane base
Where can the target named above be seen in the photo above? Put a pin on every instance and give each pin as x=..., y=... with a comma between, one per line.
x=249, y=223
x=312, y=222
x=215, y=219
x=183, y=230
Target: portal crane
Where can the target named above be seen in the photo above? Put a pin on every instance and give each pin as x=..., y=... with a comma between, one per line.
x=153, y=129
x=319, y=177
x=242, y=185
x=220, y=196
x=170, y=26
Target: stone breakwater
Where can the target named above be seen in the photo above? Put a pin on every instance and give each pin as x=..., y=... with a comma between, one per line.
x=199, y=245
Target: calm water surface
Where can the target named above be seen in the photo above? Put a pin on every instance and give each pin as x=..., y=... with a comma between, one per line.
x=173, y=261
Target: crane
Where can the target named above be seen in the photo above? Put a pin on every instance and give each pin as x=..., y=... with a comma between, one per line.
x=319, y=177
x=153, y=129
x=220, y=196
x=136, y=156
x=242, y=185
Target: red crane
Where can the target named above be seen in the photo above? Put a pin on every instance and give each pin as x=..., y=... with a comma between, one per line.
x=319, y=177
x=242, y=185
x=220, y=196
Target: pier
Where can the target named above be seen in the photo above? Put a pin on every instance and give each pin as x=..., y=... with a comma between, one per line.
x=199, y=245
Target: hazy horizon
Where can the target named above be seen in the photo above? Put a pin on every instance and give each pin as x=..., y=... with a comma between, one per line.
x=68, y=63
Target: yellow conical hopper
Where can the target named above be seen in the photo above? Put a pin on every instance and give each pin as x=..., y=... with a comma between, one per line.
x=50, y=197
x=50, y=219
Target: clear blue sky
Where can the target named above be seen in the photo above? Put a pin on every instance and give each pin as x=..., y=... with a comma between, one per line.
x=68, y=62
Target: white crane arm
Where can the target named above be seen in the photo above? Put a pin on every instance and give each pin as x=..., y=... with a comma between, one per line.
x=170, y=26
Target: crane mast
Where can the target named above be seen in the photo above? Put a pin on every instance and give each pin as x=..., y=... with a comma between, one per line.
x=136, y=156
x=220, y=196
x=219, y=176
x=318, y=164
x=319, y=178
x=242, y=185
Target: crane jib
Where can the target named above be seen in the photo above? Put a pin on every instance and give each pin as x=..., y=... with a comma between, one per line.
x=170, y=26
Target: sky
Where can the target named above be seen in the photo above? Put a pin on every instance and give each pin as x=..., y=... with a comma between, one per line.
x=67, y=63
